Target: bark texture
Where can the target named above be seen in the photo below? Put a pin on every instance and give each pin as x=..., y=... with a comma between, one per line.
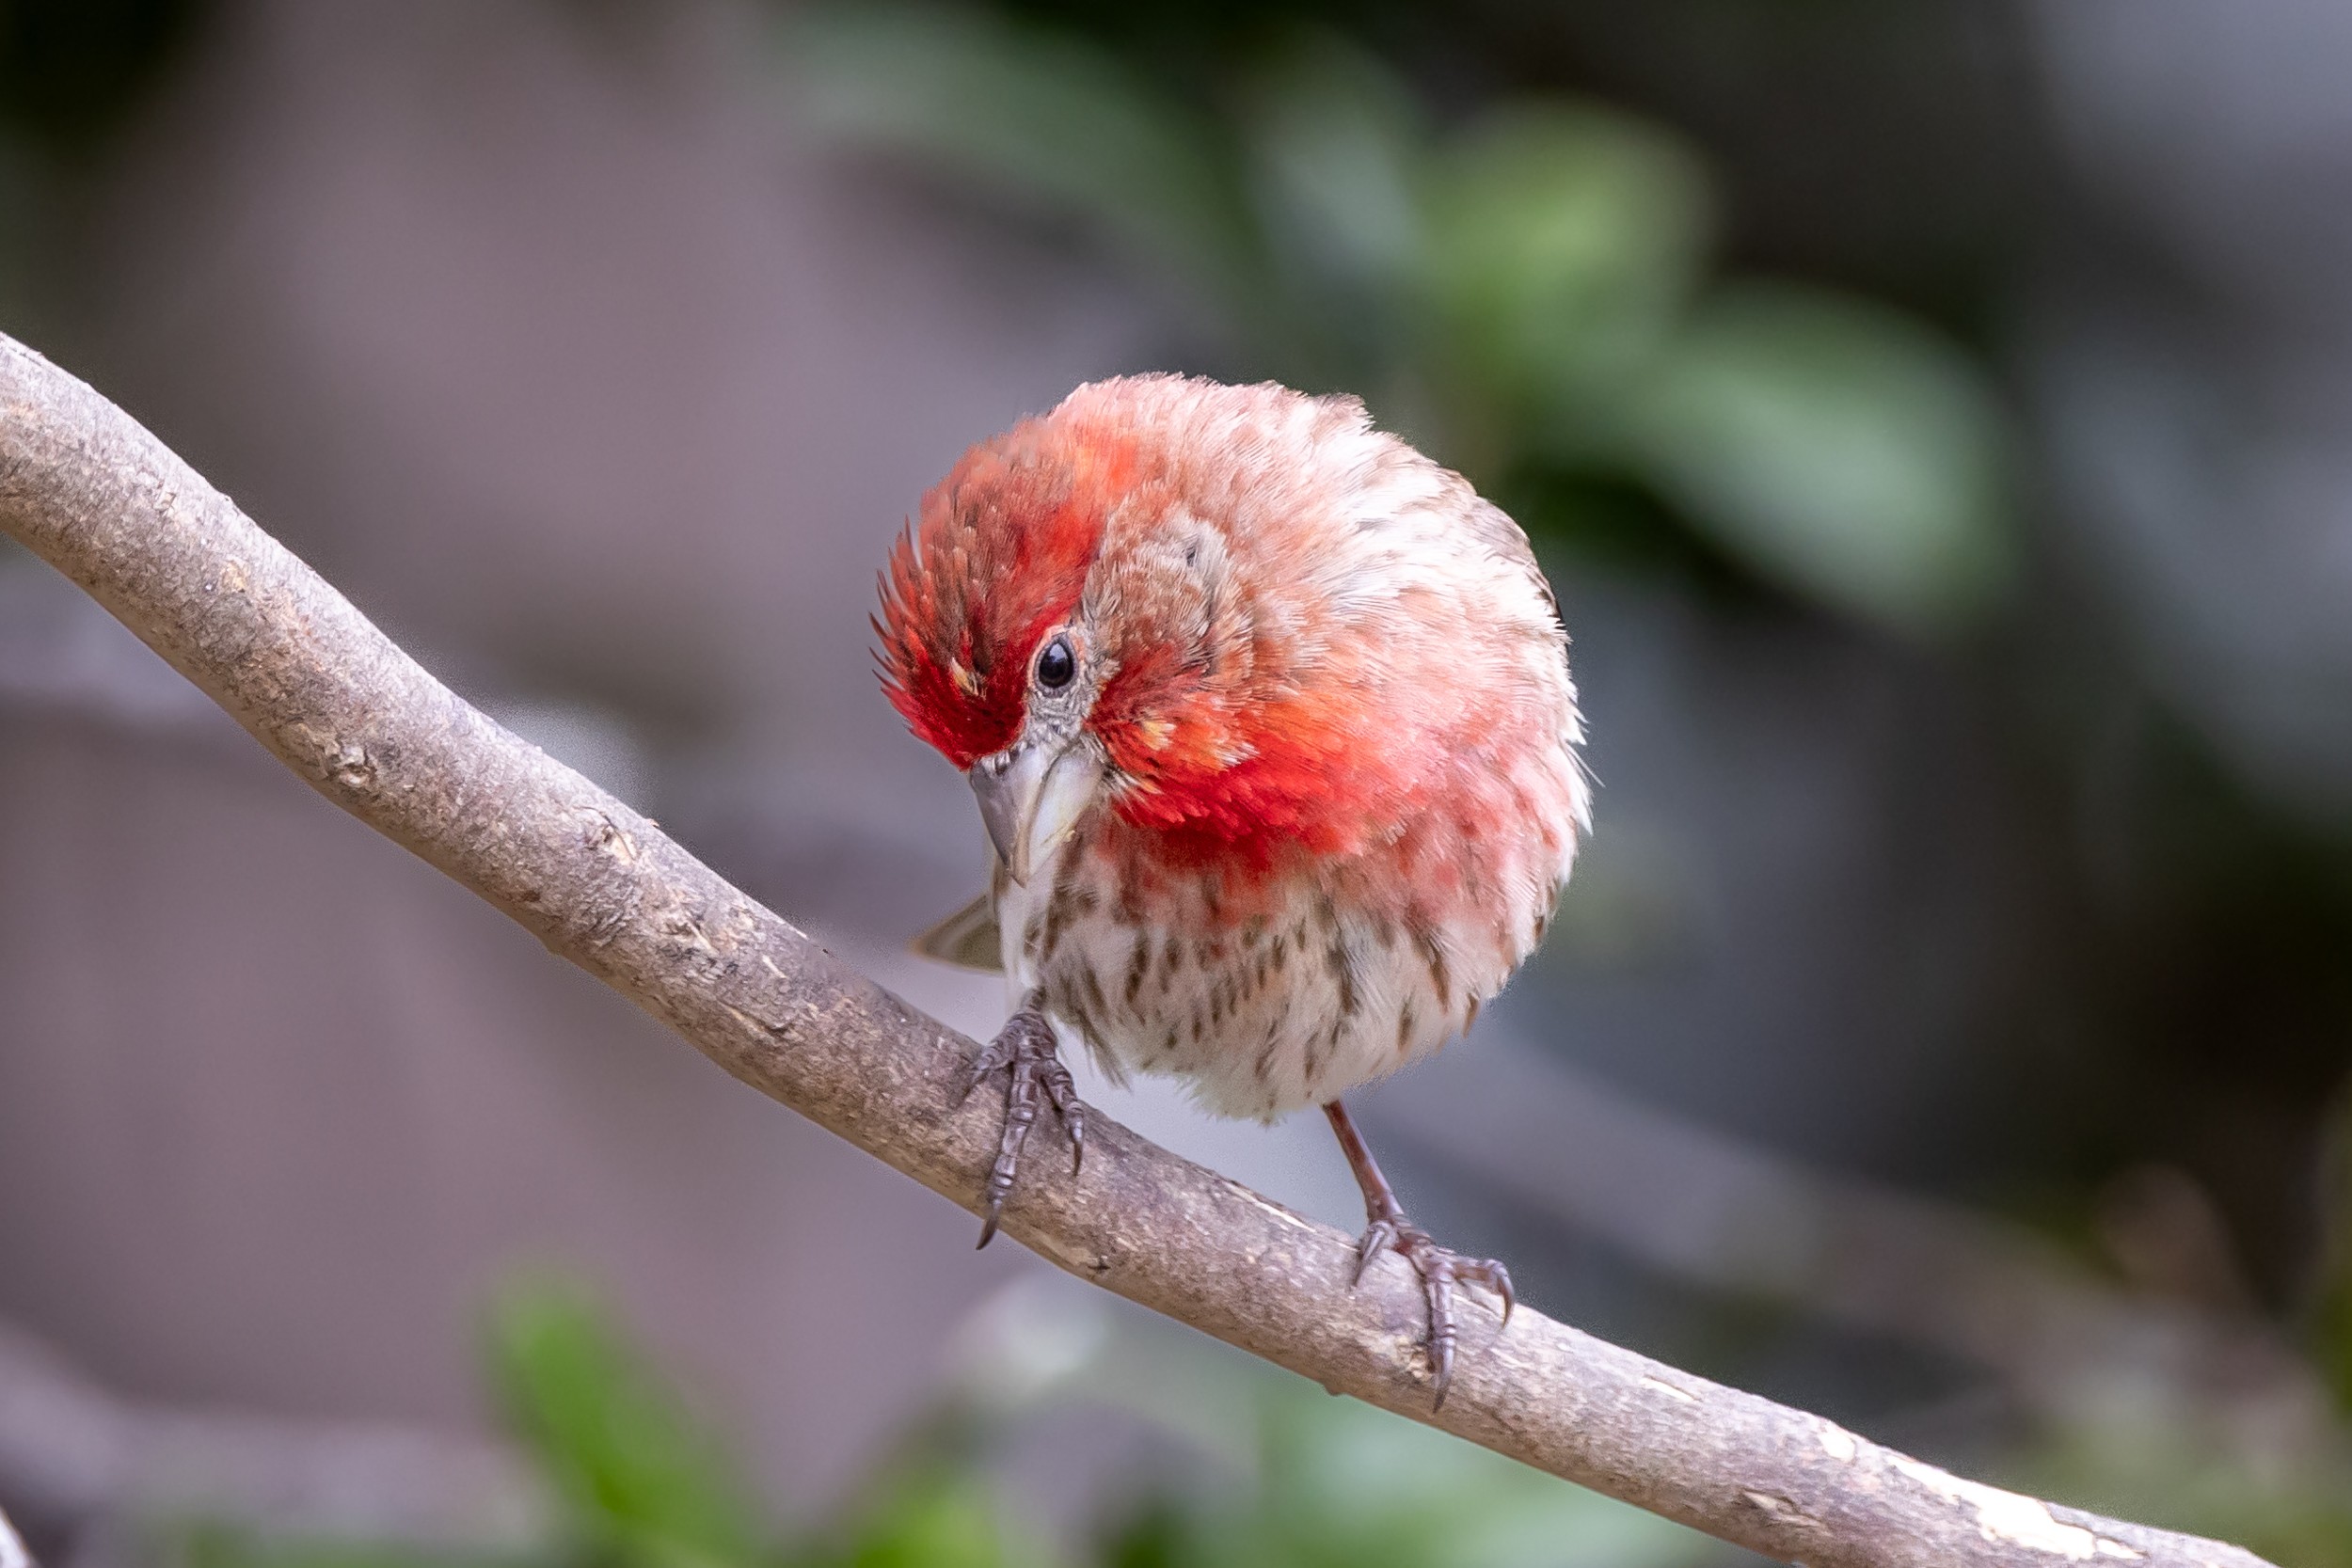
x=90, y=491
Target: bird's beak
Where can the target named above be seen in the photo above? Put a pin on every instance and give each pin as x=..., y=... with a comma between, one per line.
x=1030, y=796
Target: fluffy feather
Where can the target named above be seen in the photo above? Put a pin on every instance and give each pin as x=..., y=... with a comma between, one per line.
x=1329, y=688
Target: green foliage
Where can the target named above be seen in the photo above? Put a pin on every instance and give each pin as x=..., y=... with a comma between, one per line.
x=1527, y=293
x=638, y=1481
x=1336, y=1484
x=217, y=1545
x=1836, y=447
x=2290, y=1508
x=643, y=1484
x=1564, y=242
x=1326, y=149
x=1280, y=1475
x=982, y=97
x=938, y=1517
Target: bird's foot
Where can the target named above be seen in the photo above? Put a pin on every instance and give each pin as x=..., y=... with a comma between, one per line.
x=1024, y=1049
x=1440, y=1270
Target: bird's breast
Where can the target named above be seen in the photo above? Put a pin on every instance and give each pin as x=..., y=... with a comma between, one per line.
x=1273, y=988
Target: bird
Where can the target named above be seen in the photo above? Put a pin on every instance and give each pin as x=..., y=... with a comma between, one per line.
x=1275, y=742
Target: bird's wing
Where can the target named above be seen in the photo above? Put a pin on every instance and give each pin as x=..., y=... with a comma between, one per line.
x=966, y=939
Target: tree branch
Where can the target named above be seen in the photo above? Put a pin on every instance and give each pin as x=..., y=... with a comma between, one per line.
x=1740, y=1219
x=92, y=492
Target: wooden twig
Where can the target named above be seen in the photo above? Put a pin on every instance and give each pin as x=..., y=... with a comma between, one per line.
x=1740, y=1219
x=92, y=493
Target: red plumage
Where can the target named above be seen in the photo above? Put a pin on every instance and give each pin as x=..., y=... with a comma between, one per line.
x=1271, y=720
x=1000, y=552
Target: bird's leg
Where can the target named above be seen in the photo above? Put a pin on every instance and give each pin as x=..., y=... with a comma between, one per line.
x=1024, y=1046
x=1387, y=1229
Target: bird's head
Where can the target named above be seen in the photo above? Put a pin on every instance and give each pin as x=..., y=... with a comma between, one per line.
x=1116, y=604
x=984, y=651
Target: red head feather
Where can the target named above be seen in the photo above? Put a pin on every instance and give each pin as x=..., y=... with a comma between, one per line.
x=997, y=560
x=1309, y=634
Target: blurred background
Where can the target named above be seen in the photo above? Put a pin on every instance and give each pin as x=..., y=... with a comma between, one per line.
x=1934, y=417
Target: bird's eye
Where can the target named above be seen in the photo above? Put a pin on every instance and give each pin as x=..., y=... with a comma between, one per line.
x=1055, y=664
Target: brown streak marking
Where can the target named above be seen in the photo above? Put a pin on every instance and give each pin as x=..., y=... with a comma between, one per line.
x=1434, y=954
x=1344, y=976
x=1130, y=891
x=1064, y=1004
x=1137, y=962
x=1319, y=1050
x=1059, y=908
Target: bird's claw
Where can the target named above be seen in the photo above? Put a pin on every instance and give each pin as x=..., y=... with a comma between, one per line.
x=1025, y=1048
x=1440, y=1270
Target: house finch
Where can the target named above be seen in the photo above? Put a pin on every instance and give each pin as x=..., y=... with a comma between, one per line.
x=1271, y=726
